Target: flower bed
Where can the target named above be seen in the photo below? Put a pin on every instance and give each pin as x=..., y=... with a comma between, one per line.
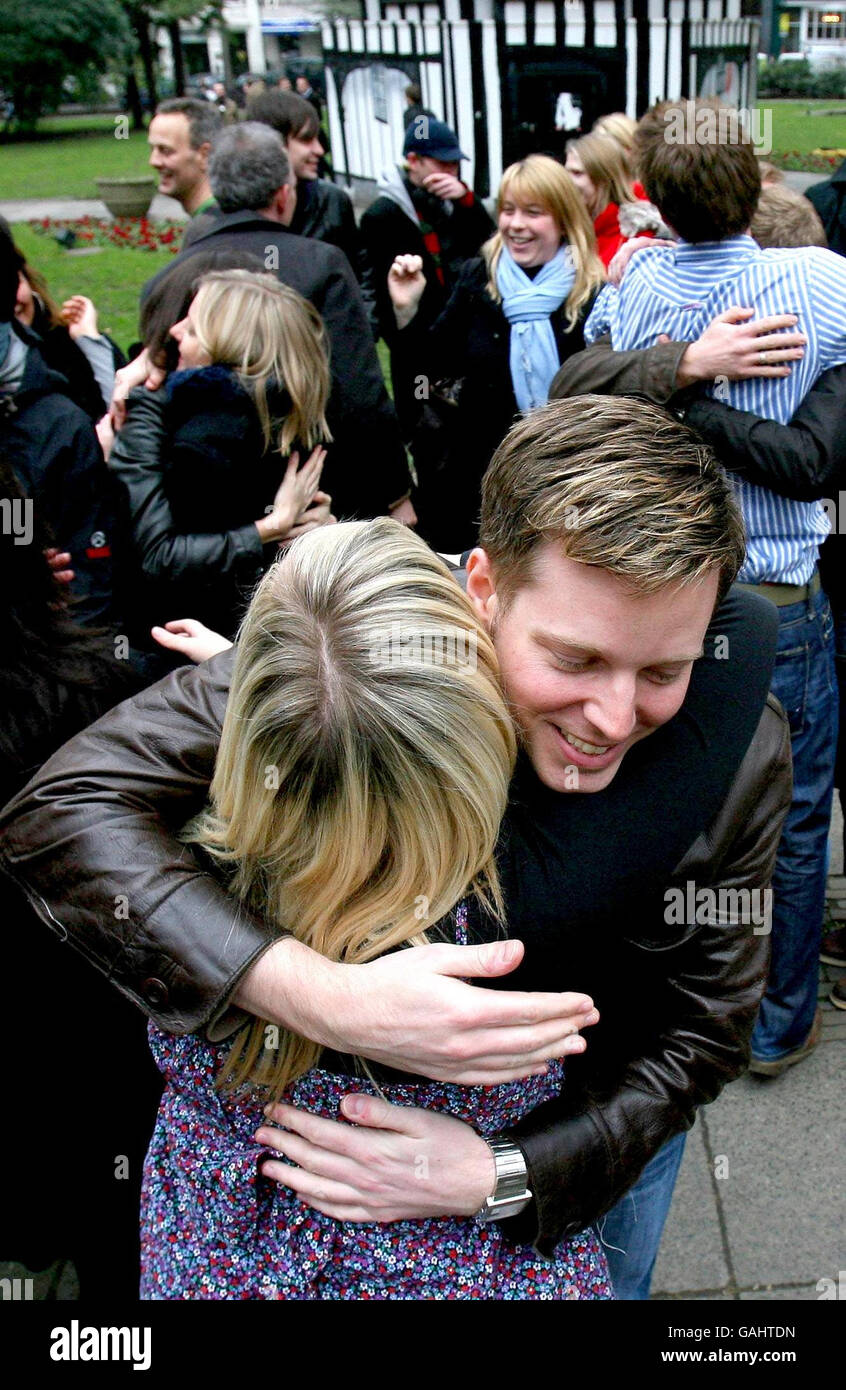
x=815, y=163
x=136, y=232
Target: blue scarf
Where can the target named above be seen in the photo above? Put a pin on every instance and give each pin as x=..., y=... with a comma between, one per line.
x=527, y=304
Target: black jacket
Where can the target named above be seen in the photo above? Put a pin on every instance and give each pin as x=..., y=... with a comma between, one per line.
x=468, y=343
x=196, y=475
x=369, y=466
x=704, y=799
x=829, y=199
x=51, y=444
x=322, y=211
x=387, y=232
x=325, y=211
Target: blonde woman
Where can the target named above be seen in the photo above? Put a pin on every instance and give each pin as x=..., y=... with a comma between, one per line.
x=514, y=316
x=362, y=774
x=224, y=463
x=598, y=165
x=618, y=126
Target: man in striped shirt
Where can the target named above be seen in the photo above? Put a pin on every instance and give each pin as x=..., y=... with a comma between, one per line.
x=701, y=172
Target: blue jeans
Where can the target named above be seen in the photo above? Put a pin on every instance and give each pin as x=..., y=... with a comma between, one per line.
x=631, y=1231
x=805, y=683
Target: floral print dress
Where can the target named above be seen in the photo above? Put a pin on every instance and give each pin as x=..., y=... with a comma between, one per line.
x=213, y=1227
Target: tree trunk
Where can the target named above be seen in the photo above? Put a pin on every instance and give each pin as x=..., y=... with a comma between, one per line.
x=145, y=48
x=133, y=98
x=178, y=63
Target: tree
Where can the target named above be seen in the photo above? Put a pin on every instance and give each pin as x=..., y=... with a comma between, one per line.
x=169, y=13
x=44, y=42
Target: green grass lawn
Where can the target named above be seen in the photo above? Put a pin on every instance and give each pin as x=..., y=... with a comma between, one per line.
x=797, y=125
x=66, y=165
x=111, y=277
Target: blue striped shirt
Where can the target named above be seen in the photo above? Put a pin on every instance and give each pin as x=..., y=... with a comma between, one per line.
x=678, y=291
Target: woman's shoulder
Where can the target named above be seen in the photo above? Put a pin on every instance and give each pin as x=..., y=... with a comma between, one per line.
x=217, y=383
x=200, y=394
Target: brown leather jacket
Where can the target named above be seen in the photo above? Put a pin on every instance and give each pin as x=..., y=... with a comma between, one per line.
x=96, y=825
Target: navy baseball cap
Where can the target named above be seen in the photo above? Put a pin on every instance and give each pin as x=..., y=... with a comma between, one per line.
x=427, y=136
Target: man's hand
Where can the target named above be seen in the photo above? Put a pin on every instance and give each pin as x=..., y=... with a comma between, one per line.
x=733, y=347
x=59, y=562
x=403, y=1164
x=141, y=371
x=412, y=1010
x=106, y=435
x=445, y=186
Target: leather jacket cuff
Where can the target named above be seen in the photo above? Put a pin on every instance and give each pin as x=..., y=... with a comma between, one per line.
x=570, y=1171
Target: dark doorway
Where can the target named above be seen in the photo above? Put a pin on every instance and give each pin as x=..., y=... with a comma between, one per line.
x=550, y=102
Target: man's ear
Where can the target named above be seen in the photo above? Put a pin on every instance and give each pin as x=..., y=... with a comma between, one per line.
x=481, y=589
x=204, y=151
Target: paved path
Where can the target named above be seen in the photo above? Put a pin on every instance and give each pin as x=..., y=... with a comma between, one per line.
x=71, y=209
x=759, y=1211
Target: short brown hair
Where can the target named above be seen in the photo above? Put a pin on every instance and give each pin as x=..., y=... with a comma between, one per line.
x=287, y=114
x=697, y=163
x=203, y=117
x=620, y=484
x=784, y=217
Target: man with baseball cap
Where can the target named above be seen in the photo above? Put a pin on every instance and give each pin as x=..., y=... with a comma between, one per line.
x=423, y=209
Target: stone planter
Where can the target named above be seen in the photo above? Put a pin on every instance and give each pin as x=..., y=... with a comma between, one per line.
x=127, y=197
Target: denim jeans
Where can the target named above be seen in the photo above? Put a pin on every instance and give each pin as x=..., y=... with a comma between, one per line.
x=839, y=615
x=631, y=1231
x=805, y=683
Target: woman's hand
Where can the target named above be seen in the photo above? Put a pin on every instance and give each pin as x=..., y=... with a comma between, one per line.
x=404, y=512
x=141, y=371
x=733, y=347
x=619, y=261
x=80, y=317
x=317, y=513
x=406, y=283
x=293, y=497
x=189, y=637
x=400, y=1164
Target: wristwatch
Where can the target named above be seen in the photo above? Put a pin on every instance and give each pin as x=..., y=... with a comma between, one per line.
x=511, y=1193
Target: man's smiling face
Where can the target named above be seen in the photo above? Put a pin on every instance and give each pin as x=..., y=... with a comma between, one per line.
x=590, y=666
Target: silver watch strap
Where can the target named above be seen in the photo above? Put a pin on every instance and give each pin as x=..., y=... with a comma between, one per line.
x=511, y=1193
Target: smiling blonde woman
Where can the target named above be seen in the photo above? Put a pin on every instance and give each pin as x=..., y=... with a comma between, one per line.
x=515, y=314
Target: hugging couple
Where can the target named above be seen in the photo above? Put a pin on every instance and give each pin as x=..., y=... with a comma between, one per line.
x=325, y=854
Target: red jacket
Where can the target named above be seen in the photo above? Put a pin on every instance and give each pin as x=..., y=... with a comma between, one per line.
x=609, y=238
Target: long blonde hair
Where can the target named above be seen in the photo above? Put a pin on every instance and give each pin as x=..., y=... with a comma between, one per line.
x=361, y=777
x=603, y=160
x=270, y=335
x=542, y=180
